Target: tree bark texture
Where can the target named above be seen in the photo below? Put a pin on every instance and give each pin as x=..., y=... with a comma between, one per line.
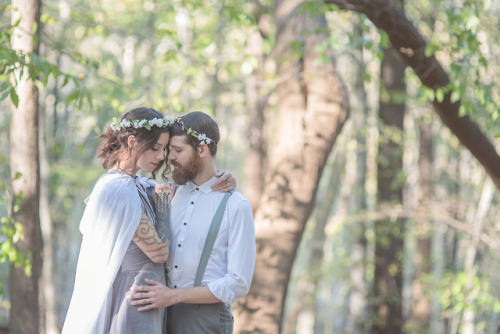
x=24, y=290
x=389, y=233
x=409, y=43
x=256, y=160
x=312, y=110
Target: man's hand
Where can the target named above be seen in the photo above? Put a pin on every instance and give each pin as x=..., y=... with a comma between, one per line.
x=155, y=295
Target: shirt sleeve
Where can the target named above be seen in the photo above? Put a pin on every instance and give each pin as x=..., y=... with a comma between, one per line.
x=241, y=254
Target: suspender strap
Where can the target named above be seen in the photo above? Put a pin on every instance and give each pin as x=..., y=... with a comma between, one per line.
x=210, y=241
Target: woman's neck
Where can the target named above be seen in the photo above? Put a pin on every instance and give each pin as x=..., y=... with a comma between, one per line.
x=132, y=171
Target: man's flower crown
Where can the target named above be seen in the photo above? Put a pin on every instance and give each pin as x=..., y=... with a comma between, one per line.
x=142, y=123
x=203, y=138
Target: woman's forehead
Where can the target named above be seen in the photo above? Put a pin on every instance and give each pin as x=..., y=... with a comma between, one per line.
x=163, y=139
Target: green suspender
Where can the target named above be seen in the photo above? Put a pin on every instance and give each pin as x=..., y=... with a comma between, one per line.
x=209, y=242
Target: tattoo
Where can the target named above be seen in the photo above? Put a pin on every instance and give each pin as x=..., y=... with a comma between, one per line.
x=146, y=237
x=163, y=216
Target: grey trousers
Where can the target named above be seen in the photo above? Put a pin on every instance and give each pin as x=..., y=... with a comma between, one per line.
x=199, y=319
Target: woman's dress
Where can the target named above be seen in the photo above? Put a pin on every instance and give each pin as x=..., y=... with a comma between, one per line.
x=136, y=266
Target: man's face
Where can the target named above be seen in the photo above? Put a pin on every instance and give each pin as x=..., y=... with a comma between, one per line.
x=184, y=159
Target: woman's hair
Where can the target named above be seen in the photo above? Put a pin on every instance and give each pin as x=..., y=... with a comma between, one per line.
x=202, y=124
x=114, y=146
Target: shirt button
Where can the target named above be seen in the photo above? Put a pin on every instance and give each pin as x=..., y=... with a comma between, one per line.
x=197, y=188
x=192, y=202
x=175, y=286
x=185, y=224
x=175, y=266
x=179, y=245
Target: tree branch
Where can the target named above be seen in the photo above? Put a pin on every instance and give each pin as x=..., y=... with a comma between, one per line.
x=407, y=40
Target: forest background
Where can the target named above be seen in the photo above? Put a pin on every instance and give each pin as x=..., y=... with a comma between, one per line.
x=363, y=132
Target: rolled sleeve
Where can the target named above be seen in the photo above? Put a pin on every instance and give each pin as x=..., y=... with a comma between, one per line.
x=241, y=255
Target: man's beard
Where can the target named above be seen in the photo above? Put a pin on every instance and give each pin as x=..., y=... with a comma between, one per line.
x=182, y=174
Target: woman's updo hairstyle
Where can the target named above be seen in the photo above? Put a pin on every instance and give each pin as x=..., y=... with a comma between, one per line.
x=114, y=146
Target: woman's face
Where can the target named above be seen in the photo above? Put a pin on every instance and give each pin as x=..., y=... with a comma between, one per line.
x=150, y=159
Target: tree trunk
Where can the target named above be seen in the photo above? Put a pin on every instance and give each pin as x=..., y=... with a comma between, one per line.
x=312, y=110
x=48, y=284
x=310, y=291
x=24, y=290
x=407, y=41
x=471, y=250
x=358, y=302
x=420, y=309
x=389, y=233
x=256, y=160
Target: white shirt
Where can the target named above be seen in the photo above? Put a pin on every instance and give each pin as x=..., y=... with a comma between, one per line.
x=231, y=264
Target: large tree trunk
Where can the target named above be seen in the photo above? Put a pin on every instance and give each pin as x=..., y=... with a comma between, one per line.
x=312, y=109
x=409, y=43
x=389, y=233
x=24, y=290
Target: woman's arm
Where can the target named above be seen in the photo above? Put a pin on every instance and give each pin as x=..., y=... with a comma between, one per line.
x=226, y=181
x=150, y=242
x=155, y=240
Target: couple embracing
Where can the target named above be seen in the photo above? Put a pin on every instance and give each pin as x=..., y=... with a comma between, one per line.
x=161, y=258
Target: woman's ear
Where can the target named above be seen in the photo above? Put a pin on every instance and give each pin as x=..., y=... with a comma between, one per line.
x=131, y=141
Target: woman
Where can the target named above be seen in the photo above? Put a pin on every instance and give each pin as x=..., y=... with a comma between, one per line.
x=124, y=228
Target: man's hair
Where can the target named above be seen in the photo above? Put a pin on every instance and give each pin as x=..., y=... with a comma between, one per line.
x=202, y=124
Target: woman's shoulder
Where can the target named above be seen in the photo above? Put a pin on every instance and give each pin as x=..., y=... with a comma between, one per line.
x=116, y=185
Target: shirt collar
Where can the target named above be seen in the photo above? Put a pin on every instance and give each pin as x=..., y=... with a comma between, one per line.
x=205, y=187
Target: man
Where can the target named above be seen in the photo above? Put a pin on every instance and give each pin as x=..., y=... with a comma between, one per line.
x=229, y=271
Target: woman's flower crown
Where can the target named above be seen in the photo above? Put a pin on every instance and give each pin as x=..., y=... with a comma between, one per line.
x=142, y=123
x=203, y=138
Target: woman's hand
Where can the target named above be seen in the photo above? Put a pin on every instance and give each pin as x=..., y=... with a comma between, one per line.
x=225, y=182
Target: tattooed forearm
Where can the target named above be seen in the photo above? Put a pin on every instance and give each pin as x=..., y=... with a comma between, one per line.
x=148, y=240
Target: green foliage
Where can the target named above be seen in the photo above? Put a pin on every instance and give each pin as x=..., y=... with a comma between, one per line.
x=15, y=65
x=11, y=231
x=459, y=291
x=462, y=35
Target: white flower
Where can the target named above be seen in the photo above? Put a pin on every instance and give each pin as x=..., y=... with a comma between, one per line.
x=156, y=121
x=143, y=123
x=168, y=120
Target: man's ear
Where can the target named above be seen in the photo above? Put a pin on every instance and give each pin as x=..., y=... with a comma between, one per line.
x=131, y=141
x=203, y=150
